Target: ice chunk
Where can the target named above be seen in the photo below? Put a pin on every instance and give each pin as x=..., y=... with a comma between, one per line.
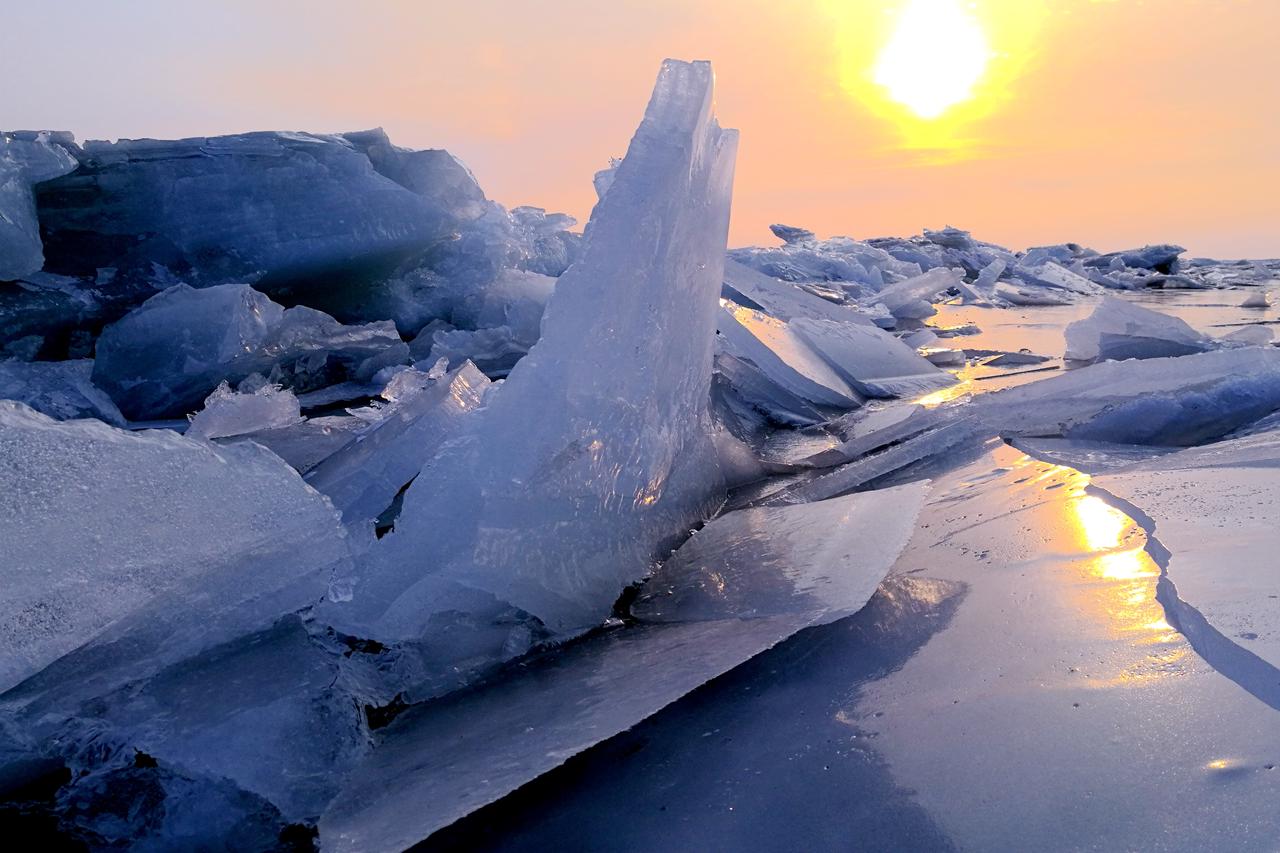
x=26, y=159
x=1250, y=335
x=784, y=357
x=363, y=477
x=1162, y=401
x=176, y=545
x=756, y=389
x=1031, y=296
x=59, y=389
x=787, y=569
x=782, y=300
x=871, y=360
x=1257, y=299
x=596, y=451
x=227, y=413
x=1056, y=277
x=910, y=299
x=1118, y=329
x=791, y=234
x=164, y=358
x=824, y=558
x=285, y=210
x=1161, y=258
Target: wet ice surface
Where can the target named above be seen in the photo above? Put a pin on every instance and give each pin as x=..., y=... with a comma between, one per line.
x=1016, y=662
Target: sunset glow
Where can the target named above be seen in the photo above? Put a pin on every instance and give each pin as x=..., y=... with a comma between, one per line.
x=937, y=53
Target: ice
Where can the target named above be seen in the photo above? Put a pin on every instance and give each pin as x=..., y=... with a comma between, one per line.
x=27, y=158
x=306, y=444
x=173, y=545
x=500, y=324
x=788, y=569
x=782, y=300
x=364, y=476
x=838, y=259
x=783, y=357
x=871, y=360
x=1161, y=258
x=596, y=452
x=59, y=389
x=228, y=413
x=1171, y=401
x=1259, y=299
x=824, y=558
x=1055, y=276
x=791, y=234
x=910, y=299
x=1210, y=518
x=283, y=210
x=1118, y=329
x=162, y=359
x=1250, y=336
x=749, y=383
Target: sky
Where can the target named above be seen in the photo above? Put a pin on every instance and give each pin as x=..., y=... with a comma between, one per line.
x=1111, y=123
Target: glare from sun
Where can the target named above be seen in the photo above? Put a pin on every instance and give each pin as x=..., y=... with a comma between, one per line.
x=937, y=53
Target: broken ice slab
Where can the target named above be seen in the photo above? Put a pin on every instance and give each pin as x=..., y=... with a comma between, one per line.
x=176, y=545
x=1260, y=299
x=878, y=430
x=755, y=388
x=596, y=453
x=824, y=558
x=1163, y=401
x=782, y=300
x=280, y=209
x=1161, y=258
x=27, y=158
x=1031, y=295
x=162, y=359
x=1118, y=329
x=1087, y=457
x=1258, y=336
x=227, y=413
x=910, y=299
x=784, y=357
x=1209, y=513
x=871, y=360
x=787, y=570
x=59, y=389
x=1055, y=277
x=364, y=476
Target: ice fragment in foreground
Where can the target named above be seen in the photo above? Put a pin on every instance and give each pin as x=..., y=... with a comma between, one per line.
x=227, y=413
x=171, y=544
x=1118, y=329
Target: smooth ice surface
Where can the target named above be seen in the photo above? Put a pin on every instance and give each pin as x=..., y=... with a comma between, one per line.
x=59, y=389
x=363, y=477
x=596, y=451
x=169, y=543
x=784, y=357
x=784, y=300
x=1118, y=329
x=784, y=570
x=870, y=359
x=26, y=159
x=822, y=558
x=910, y=299
x=1210, y=513
x=162, y=359
x=227, y=413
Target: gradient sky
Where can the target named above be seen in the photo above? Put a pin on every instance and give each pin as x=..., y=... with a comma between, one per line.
x=1107, y=122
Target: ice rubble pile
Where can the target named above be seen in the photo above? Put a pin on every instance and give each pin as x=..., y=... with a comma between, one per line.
x=407, y=436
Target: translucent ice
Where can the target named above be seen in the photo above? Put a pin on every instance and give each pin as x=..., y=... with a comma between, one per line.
x=596, y=451
x=873, y=361
x=26, y=159
x=176, y=545
x=1118, y=329
x=227, y=413
x=59, y=389
x=781, y=299
x=910, y=299
x=162, y=359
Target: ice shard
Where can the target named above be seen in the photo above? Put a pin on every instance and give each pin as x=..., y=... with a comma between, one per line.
x=783, y=300
x=1118, y=329
x=596, y=453
x=138, y=549
x=363, y=477
x=910, y=299
x=162, y=359
x=870, y=359
x=59, y=389
x=27, y=158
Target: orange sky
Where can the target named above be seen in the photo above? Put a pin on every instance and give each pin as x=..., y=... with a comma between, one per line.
x=1107, y=122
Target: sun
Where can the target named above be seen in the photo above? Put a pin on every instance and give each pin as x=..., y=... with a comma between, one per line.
x=936, y=55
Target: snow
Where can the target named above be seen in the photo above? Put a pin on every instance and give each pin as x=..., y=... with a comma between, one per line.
x=1118, y=330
